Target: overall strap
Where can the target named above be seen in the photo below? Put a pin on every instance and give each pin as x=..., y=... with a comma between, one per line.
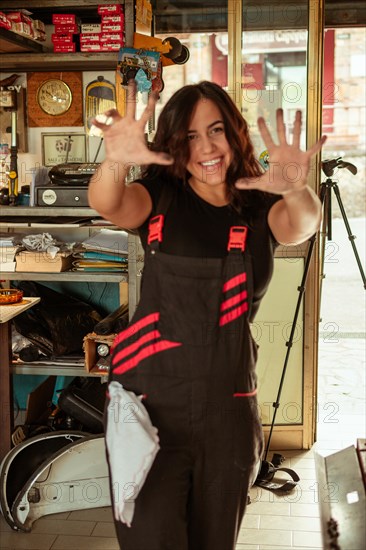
x=237, y=244
x=156, y=222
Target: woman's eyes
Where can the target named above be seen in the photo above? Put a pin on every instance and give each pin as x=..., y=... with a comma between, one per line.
x=217, y=130
x=212, y=132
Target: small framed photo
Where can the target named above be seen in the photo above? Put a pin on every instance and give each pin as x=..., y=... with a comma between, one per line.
x=60, y=148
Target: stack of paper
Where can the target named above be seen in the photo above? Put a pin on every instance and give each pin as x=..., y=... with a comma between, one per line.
x=8, y=250
x=107, y=250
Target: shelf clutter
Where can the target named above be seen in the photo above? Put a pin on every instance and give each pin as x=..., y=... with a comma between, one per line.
x=106, y=251
x=71, y=34
x=20, y=22
x=68, y=32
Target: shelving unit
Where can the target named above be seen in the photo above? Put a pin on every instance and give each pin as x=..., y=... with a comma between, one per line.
x=35, y=56
x=35, y=213
x=135, y=265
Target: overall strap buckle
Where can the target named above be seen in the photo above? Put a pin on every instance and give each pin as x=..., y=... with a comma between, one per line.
x=156, y=229
x=237, y=238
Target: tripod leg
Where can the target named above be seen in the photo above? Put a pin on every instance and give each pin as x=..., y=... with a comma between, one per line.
x=328, y=208
x=289, y=344
x=324, y=197
x=349, y=232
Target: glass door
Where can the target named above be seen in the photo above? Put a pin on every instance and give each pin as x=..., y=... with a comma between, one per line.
x=273, y=72
x=342, y=337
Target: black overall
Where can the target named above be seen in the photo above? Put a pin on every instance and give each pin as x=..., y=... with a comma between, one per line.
x=188, y=349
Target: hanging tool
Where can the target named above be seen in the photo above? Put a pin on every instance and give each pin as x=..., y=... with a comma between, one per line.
x=13, y=172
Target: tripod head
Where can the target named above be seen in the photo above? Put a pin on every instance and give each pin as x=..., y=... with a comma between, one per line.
x=328, y=166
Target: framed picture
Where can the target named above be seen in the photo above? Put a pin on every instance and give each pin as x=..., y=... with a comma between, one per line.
x=59, y=148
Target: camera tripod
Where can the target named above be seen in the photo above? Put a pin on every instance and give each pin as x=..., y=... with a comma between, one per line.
x=269, y=469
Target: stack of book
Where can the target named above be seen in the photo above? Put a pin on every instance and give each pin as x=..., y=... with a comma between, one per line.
x=8, y=251
x=107, y=250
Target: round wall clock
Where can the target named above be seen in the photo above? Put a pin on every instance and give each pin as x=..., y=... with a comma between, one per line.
x=54, y=97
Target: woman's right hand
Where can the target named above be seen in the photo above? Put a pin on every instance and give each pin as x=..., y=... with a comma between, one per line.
x=124, y=139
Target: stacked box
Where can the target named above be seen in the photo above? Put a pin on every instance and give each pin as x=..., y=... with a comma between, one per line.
x=22, y=24
x=106, y=36
x=65, y=32
x=39, y=29
x=4, y=21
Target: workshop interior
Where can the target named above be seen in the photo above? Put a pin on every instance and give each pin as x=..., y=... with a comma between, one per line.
x=70, y=280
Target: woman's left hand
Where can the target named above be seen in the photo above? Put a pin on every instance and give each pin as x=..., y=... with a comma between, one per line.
x=288, y=164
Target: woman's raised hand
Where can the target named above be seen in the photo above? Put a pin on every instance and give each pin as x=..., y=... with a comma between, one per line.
x=124, y=138
x=288, y=164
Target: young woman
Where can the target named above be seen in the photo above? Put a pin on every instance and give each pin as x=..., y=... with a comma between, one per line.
x=209, y=220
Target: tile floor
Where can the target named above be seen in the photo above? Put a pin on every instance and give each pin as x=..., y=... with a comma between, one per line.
x=271, y=523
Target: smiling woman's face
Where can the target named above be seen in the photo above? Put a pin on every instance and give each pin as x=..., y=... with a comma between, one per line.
x=210, y=153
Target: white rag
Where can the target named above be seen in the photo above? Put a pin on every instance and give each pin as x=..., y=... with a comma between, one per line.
x=132, y=443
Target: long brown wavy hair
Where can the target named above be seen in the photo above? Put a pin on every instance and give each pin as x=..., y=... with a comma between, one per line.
x=172, y=131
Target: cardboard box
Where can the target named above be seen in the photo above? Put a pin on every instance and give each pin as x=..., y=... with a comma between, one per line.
x=92, y=358
x=92, y=47
x=41, y=262
x=112, y=37
x=88, y=28
x=113, y=27
x=66, y=29
x=90, y=37
x=109, y=8
x=63, y=18
x=64, y=48
x=110, y=47
x=62, y=38
x=4, y=21
x=120, y=19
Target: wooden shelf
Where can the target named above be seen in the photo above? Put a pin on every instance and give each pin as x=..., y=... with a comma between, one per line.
x=74, y=276
x=79, y=61
x=11, y=42
x=43, y=211
x=53, y=369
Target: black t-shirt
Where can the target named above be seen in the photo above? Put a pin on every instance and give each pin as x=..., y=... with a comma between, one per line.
x=196, y=228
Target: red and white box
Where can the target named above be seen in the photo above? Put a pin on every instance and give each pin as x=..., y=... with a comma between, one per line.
x=90, y=38
x=63, y=18
x=120, y=18
x=4, y=21
x=116, y=37
x=91, y=47
x=109, y=8
x=112, y=27
x=64, y=48
x=19, y=17
x=66, y=29
x=62, y=39
x=22, y=28
x=110, y=47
